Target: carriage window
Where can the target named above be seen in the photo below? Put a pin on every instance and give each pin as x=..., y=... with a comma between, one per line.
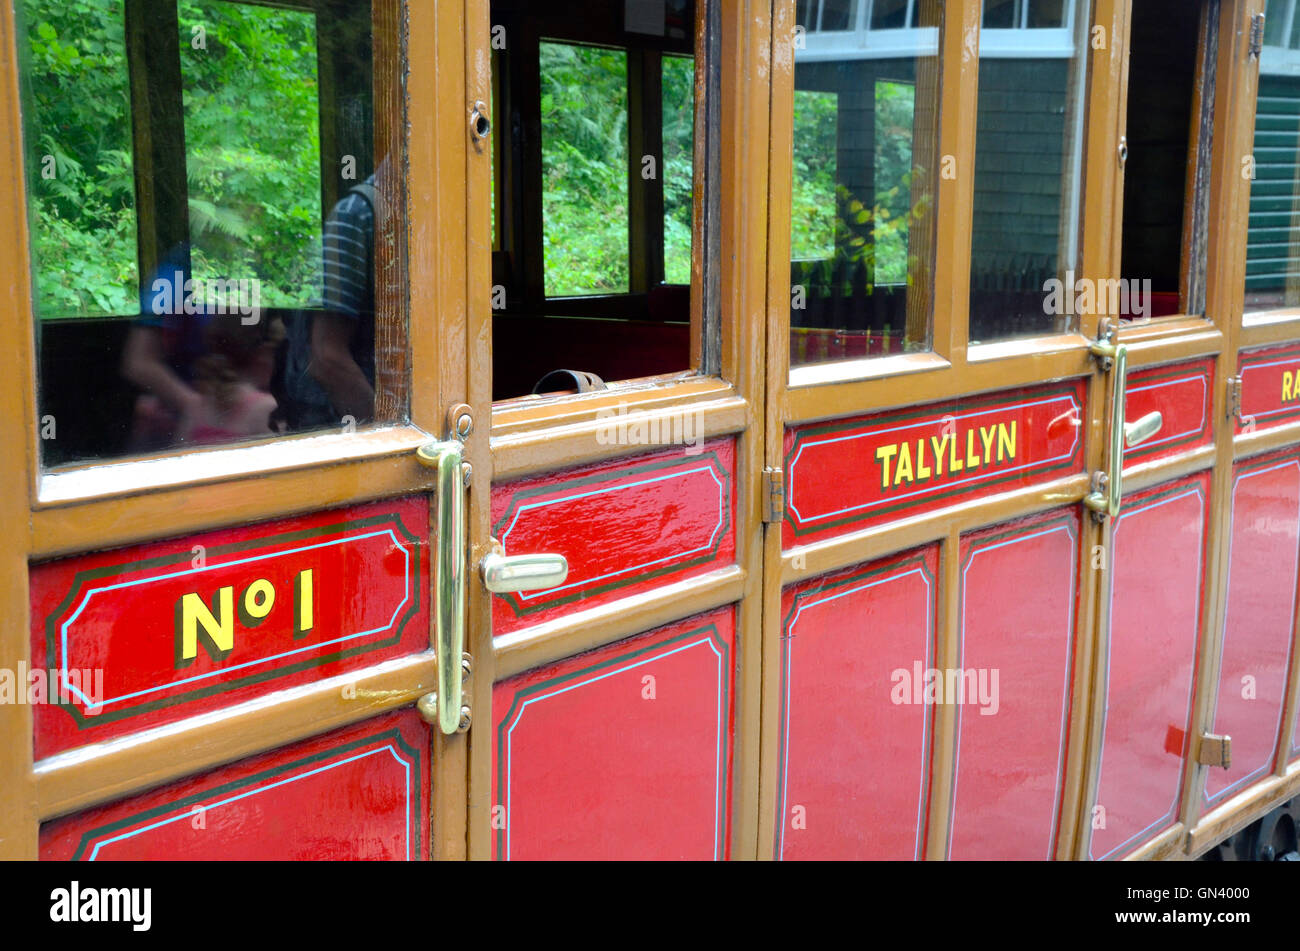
x=207, y=218
x=1028, y=179
x=1166, y=178
x=864, y=171
x=1273, y=241
x=596, y=186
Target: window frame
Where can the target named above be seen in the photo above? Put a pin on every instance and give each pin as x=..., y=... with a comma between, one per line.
x=713, y=379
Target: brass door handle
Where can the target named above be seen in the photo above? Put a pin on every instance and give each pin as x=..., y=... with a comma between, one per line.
x=503, y=573
x=449, y=583
x=1142, y=430
x=1108, y=492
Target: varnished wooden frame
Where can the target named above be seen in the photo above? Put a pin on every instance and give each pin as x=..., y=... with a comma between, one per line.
x=1203, y=829
x=816, y=393
x=450, y=266
x=952, y=369
x=47, y=514
x=552, y=434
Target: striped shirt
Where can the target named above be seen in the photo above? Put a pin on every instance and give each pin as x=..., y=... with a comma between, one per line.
x=347, y=290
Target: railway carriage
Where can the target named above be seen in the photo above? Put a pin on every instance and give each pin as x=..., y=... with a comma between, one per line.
x=669, y=429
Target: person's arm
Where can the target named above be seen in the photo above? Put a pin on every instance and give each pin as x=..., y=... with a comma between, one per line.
x=144, y=364
x=333, y=367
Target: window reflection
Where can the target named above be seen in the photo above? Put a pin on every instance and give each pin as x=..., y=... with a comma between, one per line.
x=214, y=253
x=864, y=170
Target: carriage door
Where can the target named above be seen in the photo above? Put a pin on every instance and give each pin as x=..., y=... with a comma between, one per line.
x=615, y=598
x=962, y=611
x=1198, y=588
x=234, y=497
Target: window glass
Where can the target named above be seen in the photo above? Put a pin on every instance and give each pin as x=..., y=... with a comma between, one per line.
x=252, y=146
x=864, y=171
x=1275, y=26
x=889, y=14
x=1046, y=14
x=1001, y=14
x=679, y=165
x=205, y=247
x=81, y=168
x=1025, y=227
x=584, y=169
x=838, y=14
x=1273, y=240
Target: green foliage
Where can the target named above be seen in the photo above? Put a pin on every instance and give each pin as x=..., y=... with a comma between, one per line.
x=252, y=144
x=251, y=138
x=831, y=223
x=584, y=169
x=678, y=166
x=812, y=205
x=895, y=110
x=78, y=128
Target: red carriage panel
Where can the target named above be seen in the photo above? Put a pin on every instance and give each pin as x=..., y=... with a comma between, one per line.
x=141, y=636
x=1014, y=703
x=625, y=527
x=1256, y=649
x=855, y=719
x=1270, y=388
x=357, y=793
x=1182, y=395
x=621, y=753
x=850, y=474
x=1156, y=572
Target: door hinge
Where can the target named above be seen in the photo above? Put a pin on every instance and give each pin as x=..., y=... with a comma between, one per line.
x=1234, y=397
x=1256, y=35
x=773, y=495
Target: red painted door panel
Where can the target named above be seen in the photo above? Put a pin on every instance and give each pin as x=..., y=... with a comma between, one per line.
x=356, y=793
x=620, y=753
x=1156, y=572
x=163, y=630
x=1257, y=632
x=855, y=727
x=851, y=473
x=625, y=527
x=1181, y=394
x=1019, y=603
x=1270, y=388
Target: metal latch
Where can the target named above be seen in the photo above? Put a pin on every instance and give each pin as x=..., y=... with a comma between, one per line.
x=1215, y=750
x=773, y=495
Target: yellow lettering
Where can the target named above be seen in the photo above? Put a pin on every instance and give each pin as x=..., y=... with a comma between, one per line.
x=1006, y=441
x=938, y=446
x=955, y=465
x=302, y=600
x=218, y=627
x=1287, y=378
x=883, y=456
x=904, y=468
x=259, y=598
x=972, y=458
x=923, y=471
x=986, y=437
